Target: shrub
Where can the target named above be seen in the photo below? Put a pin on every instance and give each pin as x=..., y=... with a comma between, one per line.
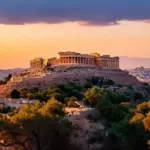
x=138, y=96
x=72, y=104
x=52, y=107
x=15, y=94
x=94, y=115
x=125, y=135
x=104, y=106
x=143, y=107
x=58, y=96
x=2, y=82
x=54, y=90
x=8, y=78
x=138, y=117
x=87, y=85
x=41, y=96
x=5, y=110
x=92, y=96
x=76, y=94
x=118, y=113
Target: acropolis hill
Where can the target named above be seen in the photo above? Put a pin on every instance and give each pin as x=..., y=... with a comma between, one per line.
x=70, y=67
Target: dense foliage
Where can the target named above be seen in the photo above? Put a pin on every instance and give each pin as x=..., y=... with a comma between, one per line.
x=40, y=126
x=124, y=116
x=125, y=127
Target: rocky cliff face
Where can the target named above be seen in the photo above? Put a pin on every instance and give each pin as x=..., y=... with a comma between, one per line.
x=76, y=75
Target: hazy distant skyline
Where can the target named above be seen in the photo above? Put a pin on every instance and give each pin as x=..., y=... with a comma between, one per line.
x=38, y=28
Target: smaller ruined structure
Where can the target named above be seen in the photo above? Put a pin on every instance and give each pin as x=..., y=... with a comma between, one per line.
x=39, y=63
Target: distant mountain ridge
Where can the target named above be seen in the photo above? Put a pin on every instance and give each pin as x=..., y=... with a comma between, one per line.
x=4, y=73
x=125, y=63
x=133, y=62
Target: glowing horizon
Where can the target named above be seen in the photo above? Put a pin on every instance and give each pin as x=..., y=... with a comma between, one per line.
x=21, y=43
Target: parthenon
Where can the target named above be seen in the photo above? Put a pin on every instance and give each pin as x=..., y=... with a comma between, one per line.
x=104, y=61
x=73, y=58
x=76, y=58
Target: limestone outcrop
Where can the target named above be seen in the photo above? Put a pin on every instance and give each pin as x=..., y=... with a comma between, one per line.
x=60, y=75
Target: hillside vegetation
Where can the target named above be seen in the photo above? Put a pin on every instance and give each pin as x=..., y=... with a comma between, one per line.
x=116, y=119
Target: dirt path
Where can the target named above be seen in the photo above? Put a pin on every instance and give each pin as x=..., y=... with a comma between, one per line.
x=82, y=127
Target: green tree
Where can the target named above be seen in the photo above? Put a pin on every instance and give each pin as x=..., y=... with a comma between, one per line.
x=58, y=96
x=41, y=96
x=71, y=102
x=127, y=136
x=92, y=96
x=5, y=110
x=138, y=96
x=52, y=107
x=118, y=113
x=8, y=78
x=15, y=94
x=30, y=96
x=104, y=107
x=144, y=107
x=75, y=93
x=40, y=132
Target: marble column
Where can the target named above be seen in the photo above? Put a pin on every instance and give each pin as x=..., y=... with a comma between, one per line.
x=62, y=60
x=67, y=60
x=114, y=64
x=111, y=64
x=88, y=61
x=84, y=61
x=92, y=61
x=76, y=61
x=71, y=60
x=79, y=60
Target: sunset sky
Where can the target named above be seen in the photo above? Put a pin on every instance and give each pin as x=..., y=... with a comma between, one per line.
x=41, y=28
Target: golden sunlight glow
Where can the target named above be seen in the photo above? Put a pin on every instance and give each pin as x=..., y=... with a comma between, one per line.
x=21, y=43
